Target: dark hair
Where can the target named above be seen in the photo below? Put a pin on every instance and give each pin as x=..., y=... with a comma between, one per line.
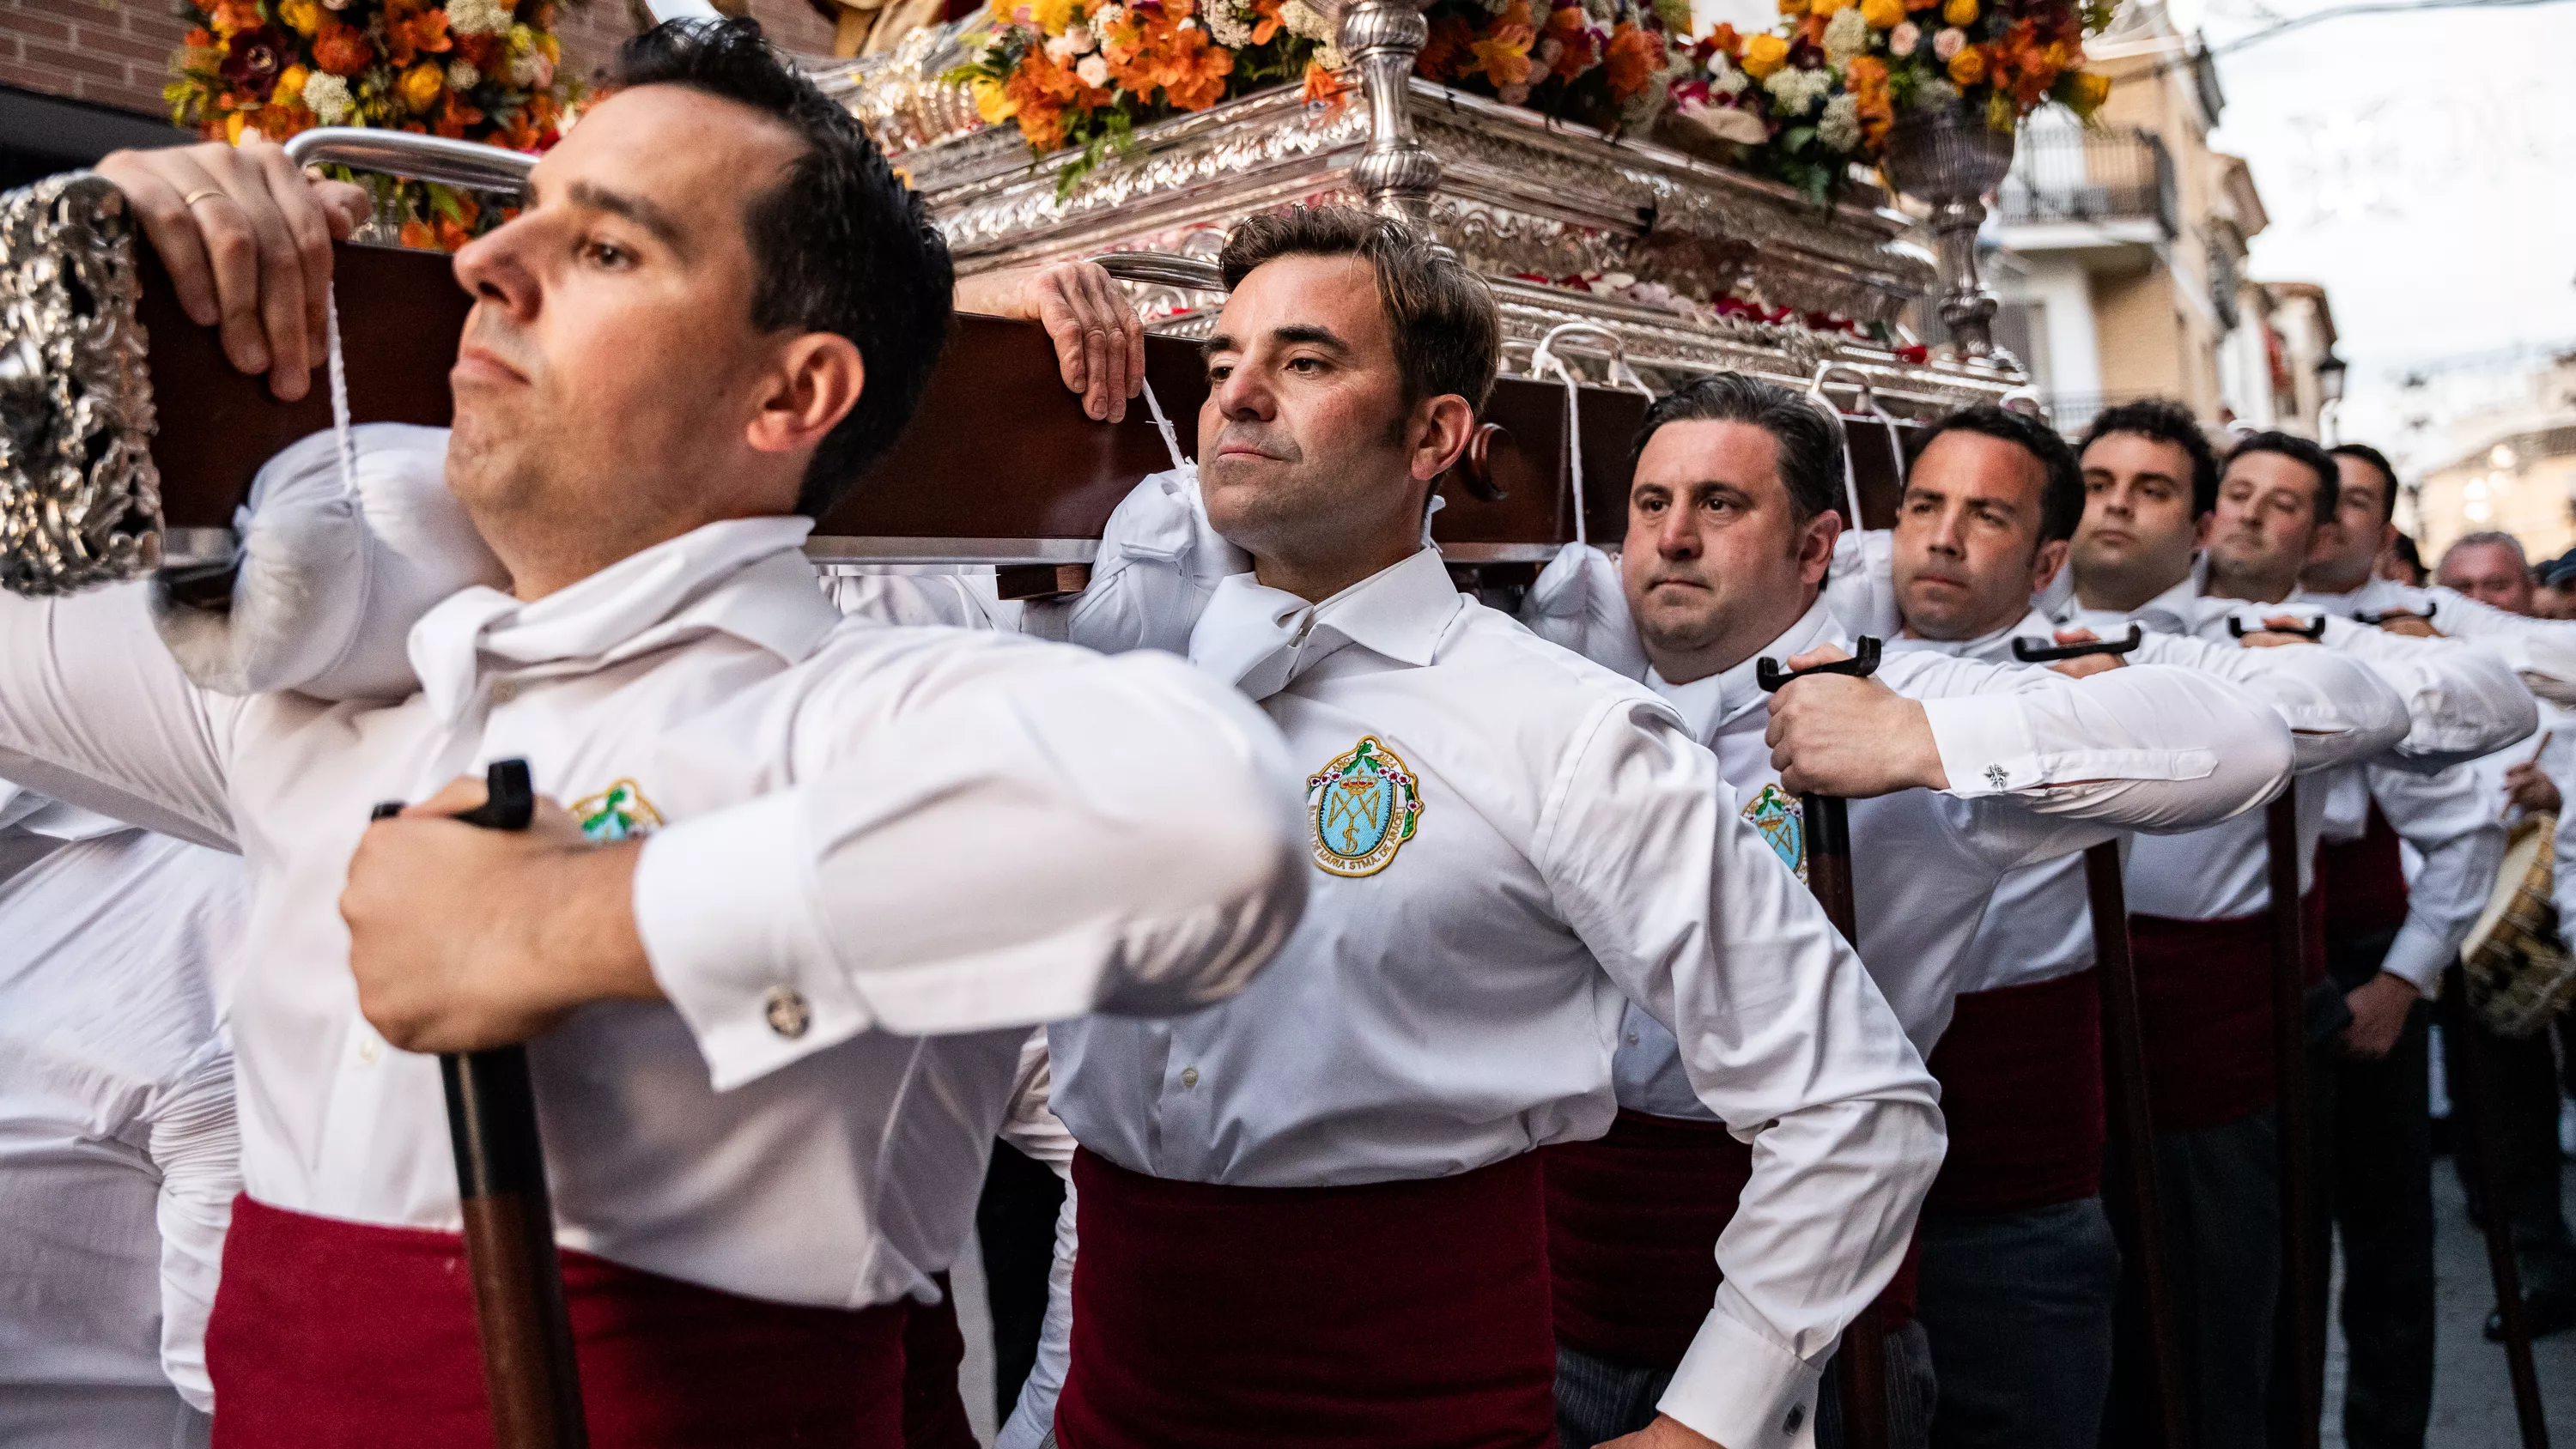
x=2297, y=450
x=2409, y=555
x=2165, y=421
x=2061, y=493
x=840, y=244
x=1810, y=439
x=1448, y=334
x=2377, y=460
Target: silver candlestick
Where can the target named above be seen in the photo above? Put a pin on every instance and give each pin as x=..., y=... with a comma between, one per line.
x=1397, y=173
x=1949, y=160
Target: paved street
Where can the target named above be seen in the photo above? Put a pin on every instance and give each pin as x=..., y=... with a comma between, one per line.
x=2472, y=1403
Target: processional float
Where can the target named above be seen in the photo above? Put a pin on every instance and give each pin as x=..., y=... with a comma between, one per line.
x=101, y=483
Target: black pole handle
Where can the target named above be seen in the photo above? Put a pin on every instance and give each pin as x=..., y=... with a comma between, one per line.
x=2031, y=651
x=1861, y=665
x=2313, y=629
x=530, y=1376
x=2299, y=1341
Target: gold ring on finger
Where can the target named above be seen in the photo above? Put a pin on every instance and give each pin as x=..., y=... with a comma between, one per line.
x=200, y=194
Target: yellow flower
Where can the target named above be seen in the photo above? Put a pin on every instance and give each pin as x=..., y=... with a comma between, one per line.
x=1883, y=14
x=1960, y=12
x=1827, y=9
x=301, y=16
x=234, y=126
x=1052, y=17
x=1793, y=7
x=290, y=82
x=1764, y=54
x=2090, y=92
x=1968, y=67
x=993, y=104
x=420, y=85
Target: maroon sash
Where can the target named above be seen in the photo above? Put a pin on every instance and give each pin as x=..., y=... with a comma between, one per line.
x=328, y=1333
x=1399, y=1315
x=1632, y=1224
x=2205, y=1003
x=2021, y=1085
x=2363, y=882
x=934, y=1411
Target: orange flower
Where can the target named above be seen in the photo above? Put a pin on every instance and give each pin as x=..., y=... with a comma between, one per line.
x=489, y=54
x=343, y=50
x=1728, y=43
x=1632, y=59
x=1577, y=51
x=231, y=17
x=420, y=86
x=1503, y=54
x=199, y=39
x=1324, y=85
x=1267, y=25
x=454, y=115
x=1764, y=54
x=1444, y=56
x=412, y=27
x=1969, y=66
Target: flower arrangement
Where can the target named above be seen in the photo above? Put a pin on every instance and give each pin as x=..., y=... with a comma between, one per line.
x=1606, y=63
x=1086, y=73
x=474, y=70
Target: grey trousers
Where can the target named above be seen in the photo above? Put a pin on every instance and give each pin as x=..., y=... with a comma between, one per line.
x=2018, y=1310
x=1597, y=1400
x=2222, y=1211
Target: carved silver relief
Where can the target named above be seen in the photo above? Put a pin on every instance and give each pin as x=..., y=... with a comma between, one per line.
x=80, y=500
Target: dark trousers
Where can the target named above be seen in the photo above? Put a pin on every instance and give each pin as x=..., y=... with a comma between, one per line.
x=1597, y=1400
x=2373, y=1157
x=2017, y=1307
x=2523, y=1086
x=2222, y=1211
x=1015, y=1223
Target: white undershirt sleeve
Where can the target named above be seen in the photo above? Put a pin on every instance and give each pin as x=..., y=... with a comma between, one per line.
x=2448, y=819
x=197, y=1145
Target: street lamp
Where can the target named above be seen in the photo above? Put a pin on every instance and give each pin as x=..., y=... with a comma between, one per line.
x=2330, y=371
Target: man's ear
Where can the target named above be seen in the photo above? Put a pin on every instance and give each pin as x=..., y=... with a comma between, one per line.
x=817, y=380
x=1816, y=546
x=2200, y=530
x=2045, y=563
x=1442, y=428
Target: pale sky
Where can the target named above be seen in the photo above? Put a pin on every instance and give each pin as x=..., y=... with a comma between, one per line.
x=2420, y=167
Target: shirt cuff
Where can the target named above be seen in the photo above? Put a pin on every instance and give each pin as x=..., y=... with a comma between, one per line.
x=2418, y=957
x=1740, y=1388
x=724, y=904
x=1985, y=744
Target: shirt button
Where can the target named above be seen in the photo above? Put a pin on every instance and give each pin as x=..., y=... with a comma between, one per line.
x=1189, y=1076
x=1632, y=1038
x=504, y=692
x=1797, y=1416
x=788, y=1014
x=369, y=1049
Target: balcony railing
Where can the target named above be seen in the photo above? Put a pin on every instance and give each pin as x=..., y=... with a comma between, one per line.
x=2070, y=175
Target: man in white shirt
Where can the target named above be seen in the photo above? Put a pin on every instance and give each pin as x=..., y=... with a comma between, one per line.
x=1729, y=531
x=2155, y=498
x=119, y=1156
x=2524, y=1082
x=819, y=880
x=1312, y=1214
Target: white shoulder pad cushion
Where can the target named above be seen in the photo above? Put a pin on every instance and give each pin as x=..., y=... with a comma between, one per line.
x=330, y=583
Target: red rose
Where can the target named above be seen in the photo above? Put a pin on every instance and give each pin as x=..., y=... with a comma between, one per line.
x=252, y=63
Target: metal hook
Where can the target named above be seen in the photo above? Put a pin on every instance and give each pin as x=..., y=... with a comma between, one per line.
x=1866, y=399
x=1621, y=375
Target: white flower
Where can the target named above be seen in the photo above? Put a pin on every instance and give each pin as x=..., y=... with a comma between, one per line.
x=531, y=71
x=1903, y=39
x=1726, y=80
x=1839, y=127
x=329, y=97
x=1304, y=19
x=1110, y=16
x=1079, y=40
x=1094, y=71
x=1228, y=28
x=1059, y=49
x=462, y=75
x=1934, y=93
x=1548, y=53
x=478, y=17
x=1794, y=91
x=1601, y=12
x=1846, y=34
x=1330, y=57
x=1512, y=95
x=1949, y=42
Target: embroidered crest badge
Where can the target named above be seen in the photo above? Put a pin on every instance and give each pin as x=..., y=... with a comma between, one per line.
x=1783, y=823
x=1363, y=806
x=619, y=812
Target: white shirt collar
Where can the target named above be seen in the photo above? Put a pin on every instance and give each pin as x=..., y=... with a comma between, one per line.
x=1709, y=705
x=1261, y=639
x=740, y=576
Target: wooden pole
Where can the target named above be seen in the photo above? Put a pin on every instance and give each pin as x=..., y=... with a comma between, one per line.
x=2301, y=1343
x=530, y=1376
x=2133, y=1141
x=2472, y=1096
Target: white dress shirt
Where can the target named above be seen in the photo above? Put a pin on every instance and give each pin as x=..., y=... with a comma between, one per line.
x=2040, y=926
x=1459, y=1005
x=2154, y=748
x=2461, y=703
x=119, y=1157
x=855, y=831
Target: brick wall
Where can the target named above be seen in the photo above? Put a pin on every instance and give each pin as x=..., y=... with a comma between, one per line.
x=117, y=52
